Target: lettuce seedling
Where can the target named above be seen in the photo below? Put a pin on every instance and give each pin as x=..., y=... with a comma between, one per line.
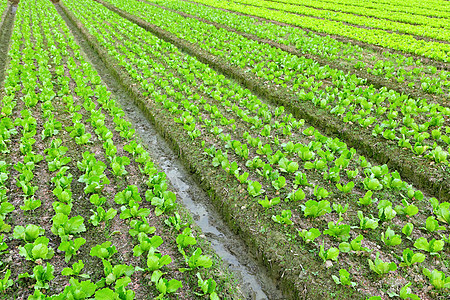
x=41, y=275
x=330, y=254
x=131, y=192
x=354, y=245
x=29, y=233
x=433, y=247
x=405, y=293
x=437, y=278
x=197, y=260
x=337, y=207
x=432, y=225
x=346, y=188
x=184, y=240
x=254, y=188
x=295, y=195
x=380, y=267
x=5, y=282
x=113, y=274
x=77, y=290
x=300, y=179
x=309, y=236
x=279, y=183
x=156, y=261
x=385, y=210
x=339, y=231
x=30, y=204
x=134, y=211
x=344, y=278
x=103, y=251
x=410, y=258
x=321, y=193
x=367, y=199
x=366, y=223
x=407, y=209
x=163, y=285
x=140, y=226
x=163, y=204
x=316, y=209
x=407, y=230
x=37, y=250
x=63, y=226
x=288, y=166
x=70, y=247
x=75, y=270
x=390, y=238
x=284, y=218
x=208, y=287
x=266, y=203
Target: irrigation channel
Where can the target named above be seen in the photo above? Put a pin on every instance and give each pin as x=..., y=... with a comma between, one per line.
x=254, y=281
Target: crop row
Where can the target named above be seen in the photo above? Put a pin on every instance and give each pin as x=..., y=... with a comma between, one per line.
x=279, y=161
x=379, y=11
x=426, y=8
x=72, y=165
x=3, y=5
x=409, y=123
x=403, y=70
x=437, y=33
x=402, y=42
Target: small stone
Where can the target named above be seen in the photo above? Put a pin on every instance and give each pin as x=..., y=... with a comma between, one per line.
x=328, y=264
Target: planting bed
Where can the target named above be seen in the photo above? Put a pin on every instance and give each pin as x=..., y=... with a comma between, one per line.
x=328, y=158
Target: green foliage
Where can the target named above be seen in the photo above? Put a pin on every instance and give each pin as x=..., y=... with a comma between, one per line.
x=29, y=233
x=103, y=251
x=163, y=285
x=339, y=231
x=437, y=278
x=284, y=218
x=309, y=236
x=70, y=247
x=330, y=254
x=433, y=247
x=266, y=203
x=367, y=223
x=316, y=209
x=410, y=258
x=390, y=238
x=380, y=267
x=344, y=278
x=37, y=250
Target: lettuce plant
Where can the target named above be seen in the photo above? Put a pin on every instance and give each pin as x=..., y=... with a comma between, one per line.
x=433, y=246
x=37, y=250
x=344, y=278
x=316, y=209
x=330, y=254
x=409, y=258
x=29, y=233
x=163, y=285
x=284, y=218
x=337, y=230
x=390, y=238
x=380, y=267
x=103, y=251
x=75, y=270
x=366, y=222
x=309, y=236
x=208, y=287
x=437, y=278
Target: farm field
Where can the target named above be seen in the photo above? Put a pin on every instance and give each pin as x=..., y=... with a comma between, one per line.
x=319, y=132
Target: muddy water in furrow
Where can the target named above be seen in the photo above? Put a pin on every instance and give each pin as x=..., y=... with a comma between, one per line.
x=255, y=282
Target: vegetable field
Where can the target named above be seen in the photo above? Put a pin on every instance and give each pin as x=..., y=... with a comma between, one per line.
x=320, y=131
